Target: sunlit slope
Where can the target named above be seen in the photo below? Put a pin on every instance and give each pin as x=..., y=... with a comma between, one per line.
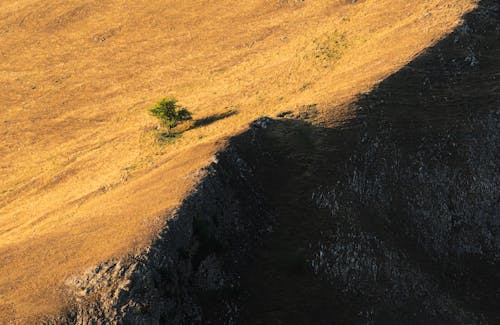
x=81, y=179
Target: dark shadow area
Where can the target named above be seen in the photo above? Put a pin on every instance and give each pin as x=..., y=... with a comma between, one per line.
x=213, y=118
x=431, y=162
x=397, y=209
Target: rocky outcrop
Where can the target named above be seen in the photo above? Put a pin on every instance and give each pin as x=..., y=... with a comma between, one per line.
x=195, y=258
x=416, y=202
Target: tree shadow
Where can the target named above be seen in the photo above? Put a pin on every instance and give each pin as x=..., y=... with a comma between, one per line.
x=213, y=118
x=171, y=135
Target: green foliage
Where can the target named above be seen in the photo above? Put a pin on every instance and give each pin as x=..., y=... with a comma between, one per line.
x=170, y=113
x=142, y=309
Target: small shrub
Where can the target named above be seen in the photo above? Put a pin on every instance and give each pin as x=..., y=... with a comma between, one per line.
x=142, y=309
x=330, y=46
x=170, y=113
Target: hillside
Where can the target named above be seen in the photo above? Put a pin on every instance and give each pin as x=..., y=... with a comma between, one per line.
x=82, y=179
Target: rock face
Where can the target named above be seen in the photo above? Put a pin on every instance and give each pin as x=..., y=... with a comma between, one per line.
x=418, y=222
x=390, y=218
x=197, y=256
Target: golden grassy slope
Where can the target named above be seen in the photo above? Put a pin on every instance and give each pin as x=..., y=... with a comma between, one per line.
x=81, y=179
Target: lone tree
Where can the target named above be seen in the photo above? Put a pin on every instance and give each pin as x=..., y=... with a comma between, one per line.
x=170, y=113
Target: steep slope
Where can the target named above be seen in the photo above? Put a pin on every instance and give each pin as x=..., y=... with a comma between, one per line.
x=82, y=180
x=351, y=232
x=388, y=214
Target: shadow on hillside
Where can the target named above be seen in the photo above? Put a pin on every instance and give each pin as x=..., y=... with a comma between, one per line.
x=416, y=170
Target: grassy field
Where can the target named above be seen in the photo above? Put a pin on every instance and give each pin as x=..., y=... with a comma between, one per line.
x=82, y=179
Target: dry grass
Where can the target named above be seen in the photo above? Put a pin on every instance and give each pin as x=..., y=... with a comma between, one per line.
x=81, y=179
